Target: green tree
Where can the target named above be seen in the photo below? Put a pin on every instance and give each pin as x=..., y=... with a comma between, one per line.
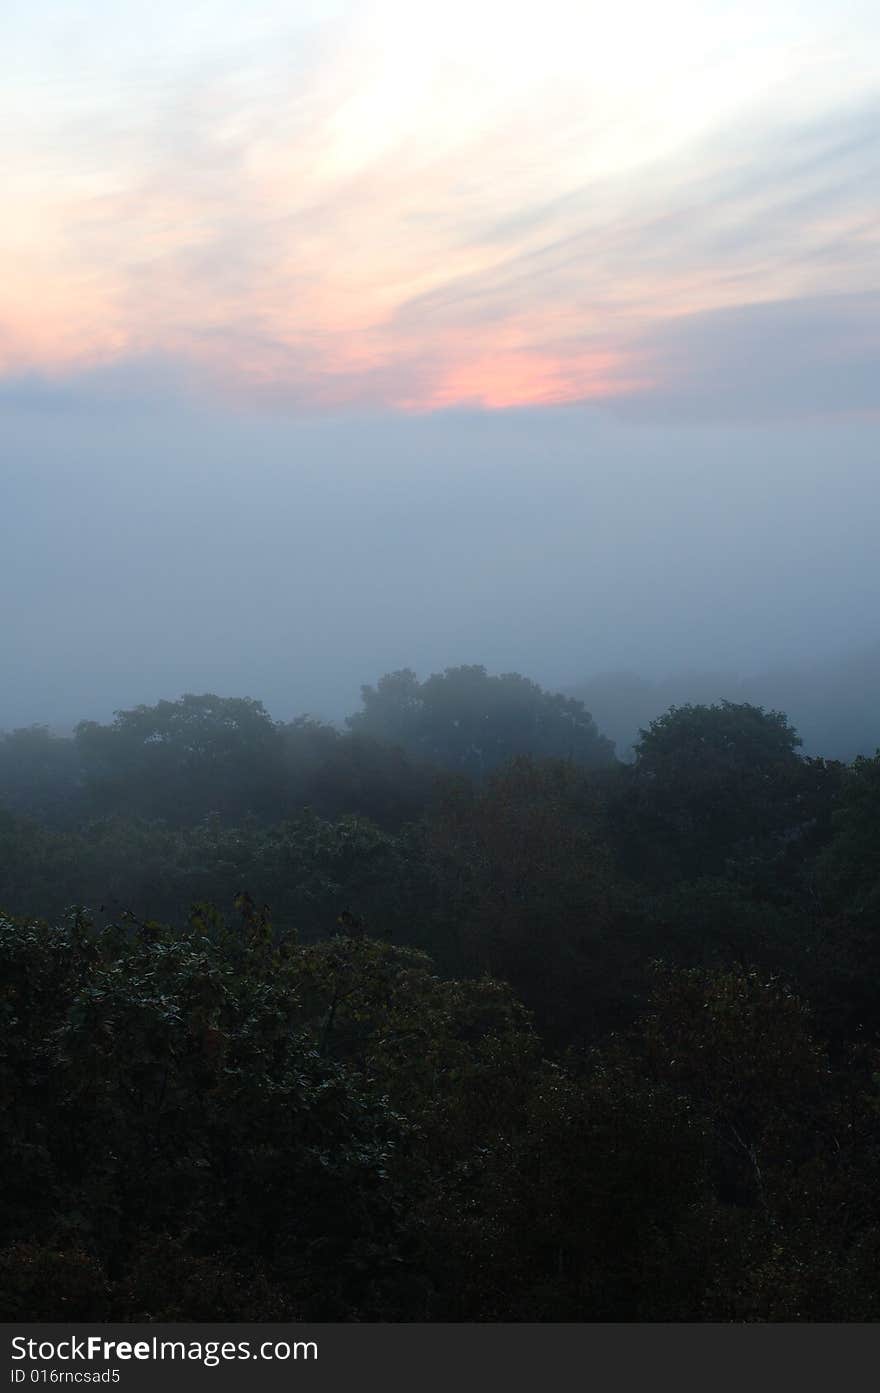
x=465, y=720
x=848, y=873
x=179, y=760
x=40, y=775
x=540, y=903
x=711, y=783
x=165, y=1089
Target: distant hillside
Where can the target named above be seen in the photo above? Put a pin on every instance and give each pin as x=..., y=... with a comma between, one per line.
x=835, y=703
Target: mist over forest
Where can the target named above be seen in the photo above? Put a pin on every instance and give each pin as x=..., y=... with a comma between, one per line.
x=834, y=703
x=457, y=836
x=439, y=663
x=153, y=549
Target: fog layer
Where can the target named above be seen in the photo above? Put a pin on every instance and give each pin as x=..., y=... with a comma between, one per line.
x=150, y=549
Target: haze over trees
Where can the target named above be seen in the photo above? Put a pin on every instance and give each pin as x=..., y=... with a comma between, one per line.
x=447, y=1015
x=833, y=701
x=465, y=720
x=520, y=362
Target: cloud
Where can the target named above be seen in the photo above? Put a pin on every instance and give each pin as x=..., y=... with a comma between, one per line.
x=798, y=358
x=364, y=212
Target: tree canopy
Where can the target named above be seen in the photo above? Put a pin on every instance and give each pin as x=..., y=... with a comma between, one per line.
x=466, y=720
x=436, y=1018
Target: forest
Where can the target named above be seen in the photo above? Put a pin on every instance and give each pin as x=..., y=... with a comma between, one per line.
x=446, y=1015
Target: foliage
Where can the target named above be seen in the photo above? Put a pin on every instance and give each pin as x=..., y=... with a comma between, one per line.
x=40, y=775
x=465, y=720
x=167, y=1086
x=487, y=1027
x=849, y=870
x=181, y=758
x=206, y=756
x=711, y=784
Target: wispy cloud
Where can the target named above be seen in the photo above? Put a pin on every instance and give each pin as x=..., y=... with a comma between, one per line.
x=510, y=204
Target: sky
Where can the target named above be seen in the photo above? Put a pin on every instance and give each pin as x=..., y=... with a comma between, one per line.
x=343, y=336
